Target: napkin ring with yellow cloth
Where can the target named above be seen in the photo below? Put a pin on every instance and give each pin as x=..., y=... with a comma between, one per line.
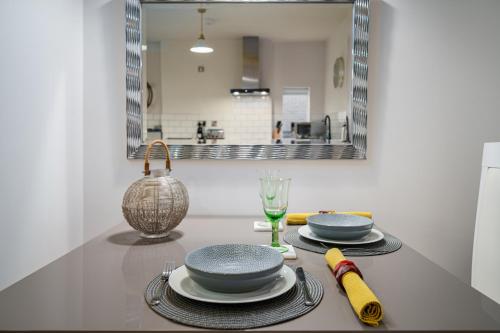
x=363, y=301
x=343, y=267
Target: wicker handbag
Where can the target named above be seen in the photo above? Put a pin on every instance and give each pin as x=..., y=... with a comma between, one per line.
x=156, y=203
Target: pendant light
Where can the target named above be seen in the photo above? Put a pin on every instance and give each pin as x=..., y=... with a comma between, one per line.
x=201, y=45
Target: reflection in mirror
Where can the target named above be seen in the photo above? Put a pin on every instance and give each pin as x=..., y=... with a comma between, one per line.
x=267, y=80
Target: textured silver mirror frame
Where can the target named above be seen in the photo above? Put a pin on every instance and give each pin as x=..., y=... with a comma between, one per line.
x=359, y=98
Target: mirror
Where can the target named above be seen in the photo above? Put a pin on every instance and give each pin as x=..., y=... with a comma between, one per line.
x=250, y=80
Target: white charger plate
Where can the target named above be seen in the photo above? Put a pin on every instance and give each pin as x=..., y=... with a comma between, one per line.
x=374, y=236
x=182, y=284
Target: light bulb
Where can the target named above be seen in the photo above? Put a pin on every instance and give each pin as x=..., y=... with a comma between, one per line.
x=201, y=47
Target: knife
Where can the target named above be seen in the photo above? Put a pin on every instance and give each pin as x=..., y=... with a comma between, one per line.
x=308, y=301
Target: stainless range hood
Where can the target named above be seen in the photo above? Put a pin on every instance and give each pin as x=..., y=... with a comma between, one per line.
x=250, y=81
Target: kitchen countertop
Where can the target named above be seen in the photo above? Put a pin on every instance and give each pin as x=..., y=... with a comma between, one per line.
x=100, y=285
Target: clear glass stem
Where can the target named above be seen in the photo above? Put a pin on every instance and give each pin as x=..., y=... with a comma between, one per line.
x=275, y=242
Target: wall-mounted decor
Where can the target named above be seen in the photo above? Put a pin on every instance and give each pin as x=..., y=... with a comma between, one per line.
x=150, y=95
x=272, y=63
x=338, y=73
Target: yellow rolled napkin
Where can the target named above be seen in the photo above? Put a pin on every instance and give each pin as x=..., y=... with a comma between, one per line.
x=362, y=299
x=300, y=218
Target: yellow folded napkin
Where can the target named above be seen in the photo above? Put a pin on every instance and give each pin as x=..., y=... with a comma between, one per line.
x=362, y=299
x=300, y=218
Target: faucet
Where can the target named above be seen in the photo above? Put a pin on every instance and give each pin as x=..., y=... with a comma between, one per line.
x=328, y=128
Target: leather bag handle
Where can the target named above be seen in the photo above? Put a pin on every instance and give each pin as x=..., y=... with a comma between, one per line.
x=147, y=172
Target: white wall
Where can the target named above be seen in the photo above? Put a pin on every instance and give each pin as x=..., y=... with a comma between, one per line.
x=106, y=169
x=430, y=110
x=295, y=64
x=41, y=133
x=151, y=73
x=337, y=100
x=190, y=96
x=185, y=90
x=153, y=76
x=432, y=103
x=338, y=45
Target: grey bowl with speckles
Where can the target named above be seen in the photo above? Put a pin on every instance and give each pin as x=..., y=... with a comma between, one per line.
x=234, y=268
x=340, y=226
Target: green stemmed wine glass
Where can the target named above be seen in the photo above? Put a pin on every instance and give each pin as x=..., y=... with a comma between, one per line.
x=274, y=195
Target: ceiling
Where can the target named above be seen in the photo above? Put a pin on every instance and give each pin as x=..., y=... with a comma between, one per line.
x=280, y=22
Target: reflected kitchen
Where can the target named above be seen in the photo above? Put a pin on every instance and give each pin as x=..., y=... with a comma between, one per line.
x=261, y=76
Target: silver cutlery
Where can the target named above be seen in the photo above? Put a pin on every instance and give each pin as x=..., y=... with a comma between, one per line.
x=308, y=301
x=165, y=274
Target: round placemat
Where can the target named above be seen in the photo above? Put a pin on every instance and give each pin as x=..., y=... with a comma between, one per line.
x=234, y=316
x=387, y=245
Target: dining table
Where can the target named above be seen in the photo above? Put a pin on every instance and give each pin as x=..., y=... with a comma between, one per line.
x=100, y=286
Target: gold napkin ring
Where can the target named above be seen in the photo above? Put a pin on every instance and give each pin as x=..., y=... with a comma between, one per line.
x=343, y=267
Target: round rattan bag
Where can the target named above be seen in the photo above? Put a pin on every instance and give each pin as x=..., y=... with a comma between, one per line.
x=157, y=203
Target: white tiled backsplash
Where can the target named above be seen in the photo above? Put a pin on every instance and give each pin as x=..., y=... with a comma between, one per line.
x=249, y=122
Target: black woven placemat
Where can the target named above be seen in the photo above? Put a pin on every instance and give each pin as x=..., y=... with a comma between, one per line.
x=234, y=316
x=387, y=245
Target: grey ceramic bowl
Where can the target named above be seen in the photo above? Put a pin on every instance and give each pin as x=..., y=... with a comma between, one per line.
x=234, y=268
x=340, y=226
